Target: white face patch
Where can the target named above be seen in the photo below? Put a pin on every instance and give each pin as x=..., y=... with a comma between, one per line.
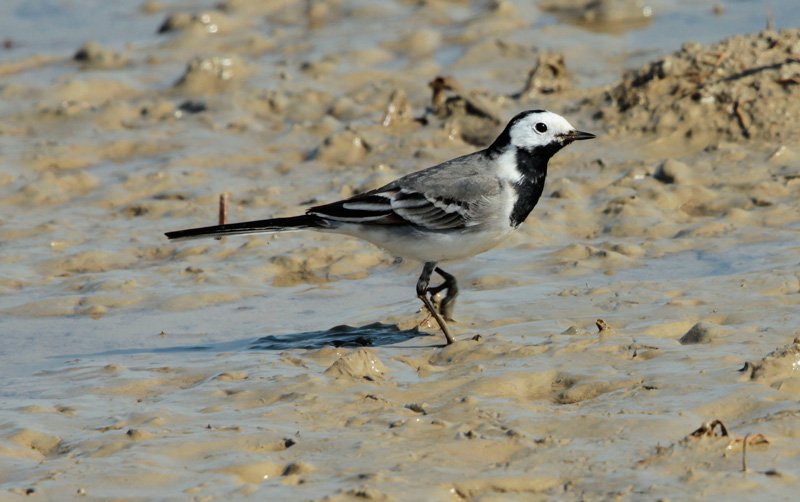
x=539, y=129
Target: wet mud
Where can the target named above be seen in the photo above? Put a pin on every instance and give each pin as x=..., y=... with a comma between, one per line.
x=635, y=339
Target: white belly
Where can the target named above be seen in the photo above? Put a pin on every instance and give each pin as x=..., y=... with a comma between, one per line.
x=429, y=246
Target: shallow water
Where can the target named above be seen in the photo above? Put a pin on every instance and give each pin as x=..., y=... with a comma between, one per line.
x=141, y=369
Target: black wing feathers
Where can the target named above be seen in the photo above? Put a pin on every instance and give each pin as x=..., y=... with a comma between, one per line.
x=398, y=207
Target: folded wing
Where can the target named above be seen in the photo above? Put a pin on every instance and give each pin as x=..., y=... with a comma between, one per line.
x=398, y=206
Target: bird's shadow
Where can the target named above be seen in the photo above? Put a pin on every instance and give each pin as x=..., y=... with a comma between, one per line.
x=371, y=335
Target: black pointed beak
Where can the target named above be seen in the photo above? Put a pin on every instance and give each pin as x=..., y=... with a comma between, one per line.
x=577, y=135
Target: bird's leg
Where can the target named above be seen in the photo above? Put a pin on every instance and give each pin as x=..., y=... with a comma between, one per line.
x=448, y=304
x=422, y=294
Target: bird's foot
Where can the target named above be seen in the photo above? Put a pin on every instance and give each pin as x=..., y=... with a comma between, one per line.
x=441, y=322
x=446, y=305
x=443, y=307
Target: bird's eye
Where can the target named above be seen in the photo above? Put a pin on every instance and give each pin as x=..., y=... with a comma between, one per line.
x=540, y=127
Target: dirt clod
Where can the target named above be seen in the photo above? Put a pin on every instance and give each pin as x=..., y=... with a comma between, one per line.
x=744, y=87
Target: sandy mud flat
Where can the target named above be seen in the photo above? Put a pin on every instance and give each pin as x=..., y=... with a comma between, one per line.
x=636, y=339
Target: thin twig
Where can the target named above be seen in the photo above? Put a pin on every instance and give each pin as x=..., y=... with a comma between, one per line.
x=744, y=453
x=770, y=16
x=742, y=120
x=223, y=209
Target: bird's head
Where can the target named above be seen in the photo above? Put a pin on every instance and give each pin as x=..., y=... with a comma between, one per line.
x=538, y=130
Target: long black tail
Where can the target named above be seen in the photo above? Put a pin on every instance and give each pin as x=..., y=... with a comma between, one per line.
x=251, y=227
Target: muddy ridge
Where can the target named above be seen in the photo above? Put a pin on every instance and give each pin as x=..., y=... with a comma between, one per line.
x=744, y=87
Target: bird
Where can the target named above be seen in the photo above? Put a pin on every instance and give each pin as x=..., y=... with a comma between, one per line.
x=451, y=211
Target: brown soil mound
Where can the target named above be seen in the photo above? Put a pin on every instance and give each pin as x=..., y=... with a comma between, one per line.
x=745, y=86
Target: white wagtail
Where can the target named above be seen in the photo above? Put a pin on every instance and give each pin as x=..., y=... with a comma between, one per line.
x=454, y=210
